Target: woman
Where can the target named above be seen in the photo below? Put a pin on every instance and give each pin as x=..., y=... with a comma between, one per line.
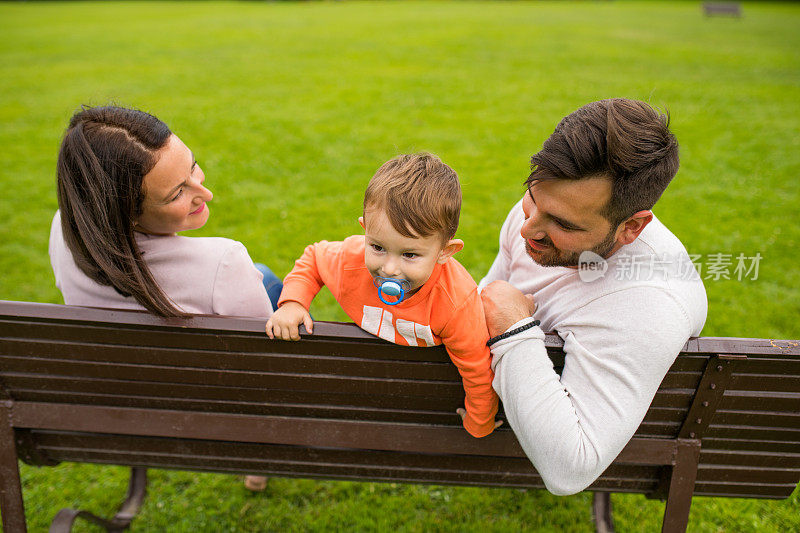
x=126, y=187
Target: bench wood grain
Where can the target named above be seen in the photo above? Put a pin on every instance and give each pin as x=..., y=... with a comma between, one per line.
x=215, y=394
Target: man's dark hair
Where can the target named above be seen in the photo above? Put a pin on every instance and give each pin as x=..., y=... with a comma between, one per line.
x=103, y=159
x=624, y=140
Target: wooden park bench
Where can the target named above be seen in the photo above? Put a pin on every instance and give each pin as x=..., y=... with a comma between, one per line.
x=215, y=394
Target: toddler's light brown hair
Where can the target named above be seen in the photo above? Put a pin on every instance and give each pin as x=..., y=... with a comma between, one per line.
x=420, y=195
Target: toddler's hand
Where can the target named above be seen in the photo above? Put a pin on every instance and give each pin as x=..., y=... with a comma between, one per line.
x=284, y=322
x=463, y=414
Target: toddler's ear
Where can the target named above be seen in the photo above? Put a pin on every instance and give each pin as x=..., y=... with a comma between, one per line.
x=361, y=221
x=450, y=249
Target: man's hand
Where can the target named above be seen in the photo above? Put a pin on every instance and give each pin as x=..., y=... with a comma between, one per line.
x=504, y=306
x=463, y=414
x=284, y=323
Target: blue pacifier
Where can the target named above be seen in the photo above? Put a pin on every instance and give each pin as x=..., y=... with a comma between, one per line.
x=391, y=287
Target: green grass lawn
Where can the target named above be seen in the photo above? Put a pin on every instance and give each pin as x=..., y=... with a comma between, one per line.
x=291, y=107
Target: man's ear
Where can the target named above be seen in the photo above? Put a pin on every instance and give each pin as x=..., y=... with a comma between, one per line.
x=361, y=221
x=450, y=249
x=629, y=230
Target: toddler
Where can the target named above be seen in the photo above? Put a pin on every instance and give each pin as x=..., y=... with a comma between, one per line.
x=399, y=280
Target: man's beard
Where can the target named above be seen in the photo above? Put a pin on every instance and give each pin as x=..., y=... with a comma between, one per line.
x=553, y=257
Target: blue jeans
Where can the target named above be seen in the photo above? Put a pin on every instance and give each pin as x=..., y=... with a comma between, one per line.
x=272, y=283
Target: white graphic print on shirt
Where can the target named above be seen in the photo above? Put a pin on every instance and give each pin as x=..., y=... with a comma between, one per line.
x=380, y=322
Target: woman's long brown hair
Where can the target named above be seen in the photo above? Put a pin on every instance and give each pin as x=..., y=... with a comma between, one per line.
x=103, y=159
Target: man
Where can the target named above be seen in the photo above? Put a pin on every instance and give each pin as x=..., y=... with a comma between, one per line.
x=624, y=314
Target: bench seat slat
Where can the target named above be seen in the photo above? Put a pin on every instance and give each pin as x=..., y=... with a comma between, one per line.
x=141, y=371
x=257, y=362
x=766, y=419
x=114, y=392
x=781, y=402
x=200, y=377
x=674, y=398
x=653, y=425
x=52, y=314
x=690, y=363
x=705, y=476
x=164, y=392
x=736, y=445
x=293, y=431
x=658, y=429
x=759, y=490
x=399, y=412
x=255, y=458
x=753, y=459
x=759, y=382
x=746, y=474
x=314, y=471
x=665, y=414
x=256, y=379
x=158, y=338
x=278, y=430
x=205, y=340
x=681, y=380
x=256, y=452
x=396, y=414
x=738, y=490
x=55, y=441
x=753, y=433
x=256, y=463
x=767, y=365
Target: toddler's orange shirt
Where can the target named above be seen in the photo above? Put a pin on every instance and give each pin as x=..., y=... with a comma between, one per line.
x=446, y=310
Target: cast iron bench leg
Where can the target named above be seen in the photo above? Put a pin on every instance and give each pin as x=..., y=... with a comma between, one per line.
x=137, y=487
x=601, y=512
